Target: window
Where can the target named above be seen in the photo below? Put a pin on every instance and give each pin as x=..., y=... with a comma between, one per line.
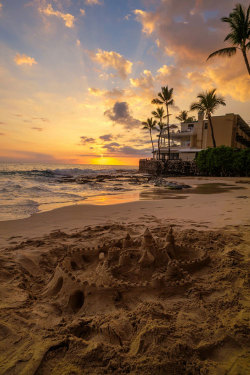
x=190, y=126
x=174, y=156
x=205, y=125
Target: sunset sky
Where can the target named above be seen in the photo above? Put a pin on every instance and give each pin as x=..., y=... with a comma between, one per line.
x=78, y=76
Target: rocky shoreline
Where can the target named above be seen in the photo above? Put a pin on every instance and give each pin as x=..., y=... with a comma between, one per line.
x=125, y=178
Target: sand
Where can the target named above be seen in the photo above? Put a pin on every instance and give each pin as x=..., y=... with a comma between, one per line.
x=147, y=287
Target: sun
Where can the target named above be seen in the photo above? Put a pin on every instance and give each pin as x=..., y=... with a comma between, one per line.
x=105, y=161
x=102, y=160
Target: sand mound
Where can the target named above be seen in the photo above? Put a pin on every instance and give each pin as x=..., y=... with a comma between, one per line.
x=120, y=299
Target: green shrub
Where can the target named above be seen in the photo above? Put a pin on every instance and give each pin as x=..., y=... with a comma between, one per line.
x=224, y=161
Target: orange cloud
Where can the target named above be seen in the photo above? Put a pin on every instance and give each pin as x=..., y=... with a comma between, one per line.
x=95, y=92
x=108, y=95
x=67, y=17
x=24, y=60
x=111, y=59
x=232, y=82
x=145, y=81
x=93, y=2
x=147, y=19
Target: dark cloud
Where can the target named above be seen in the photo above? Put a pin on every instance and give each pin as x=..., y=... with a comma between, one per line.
x=112, y=147
x=115, y=149
x=121, y=115
x=86, y=140
x=128, y=150
x=85, y=155
x=37, y=128
x=106, y=137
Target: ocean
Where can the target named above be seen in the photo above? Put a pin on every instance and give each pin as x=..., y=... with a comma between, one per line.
x=26, y=188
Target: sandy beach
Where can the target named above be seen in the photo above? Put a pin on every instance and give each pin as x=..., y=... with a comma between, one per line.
x=155, y=286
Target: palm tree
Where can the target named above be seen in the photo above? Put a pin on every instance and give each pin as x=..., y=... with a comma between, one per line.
x=150, y=125
x=165, y=97
x=183, y=116
x=239, y=22
x=159, y=114
x=208, y=103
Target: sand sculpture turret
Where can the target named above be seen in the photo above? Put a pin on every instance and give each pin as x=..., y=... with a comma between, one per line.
x=169, y=246
x=127, y=242
x=148, y=242
x=148, y=248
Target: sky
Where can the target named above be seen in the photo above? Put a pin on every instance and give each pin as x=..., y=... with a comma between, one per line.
x=78, y=76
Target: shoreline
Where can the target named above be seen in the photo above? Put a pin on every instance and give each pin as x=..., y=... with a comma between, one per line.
x=215, y=210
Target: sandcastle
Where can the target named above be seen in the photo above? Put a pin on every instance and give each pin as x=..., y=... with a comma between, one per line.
x=117, y=299
x=86, y=274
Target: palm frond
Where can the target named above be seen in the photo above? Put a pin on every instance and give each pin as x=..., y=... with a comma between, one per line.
x=232, y=38
x=229, y=51
x=156, y=101
x=197, y=107
x=161, y=96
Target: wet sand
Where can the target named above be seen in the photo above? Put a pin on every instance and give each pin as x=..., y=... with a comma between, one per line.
x=113, y=289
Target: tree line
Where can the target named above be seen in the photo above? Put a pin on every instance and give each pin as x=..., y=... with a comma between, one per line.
x=208, y=101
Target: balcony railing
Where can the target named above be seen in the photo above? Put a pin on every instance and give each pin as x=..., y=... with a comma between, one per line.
x=182, y=133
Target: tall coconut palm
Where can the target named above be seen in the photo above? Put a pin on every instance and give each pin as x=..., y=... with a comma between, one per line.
x=208, y=103
x=165, y=97
x=239, y=23
x=159, y=114
x=150, y=125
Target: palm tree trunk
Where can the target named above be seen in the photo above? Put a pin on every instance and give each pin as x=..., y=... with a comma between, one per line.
x=168, y=133
x=246, y=59
x=212, y=129
x=159, y=139
x=151, y=140
x=159, y=146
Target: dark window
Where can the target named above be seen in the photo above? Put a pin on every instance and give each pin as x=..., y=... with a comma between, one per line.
x=190, y=125
x=174, y=156
x=205, y=125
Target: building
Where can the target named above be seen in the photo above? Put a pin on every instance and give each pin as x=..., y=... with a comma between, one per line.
x=229, y=130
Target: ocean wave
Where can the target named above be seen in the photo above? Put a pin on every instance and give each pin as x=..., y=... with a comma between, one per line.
x=59, y=172
x=26, y=205
x=37, y=189
x=25, y=190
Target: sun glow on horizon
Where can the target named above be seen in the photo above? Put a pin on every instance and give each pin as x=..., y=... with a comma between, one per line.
x=113, y=161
